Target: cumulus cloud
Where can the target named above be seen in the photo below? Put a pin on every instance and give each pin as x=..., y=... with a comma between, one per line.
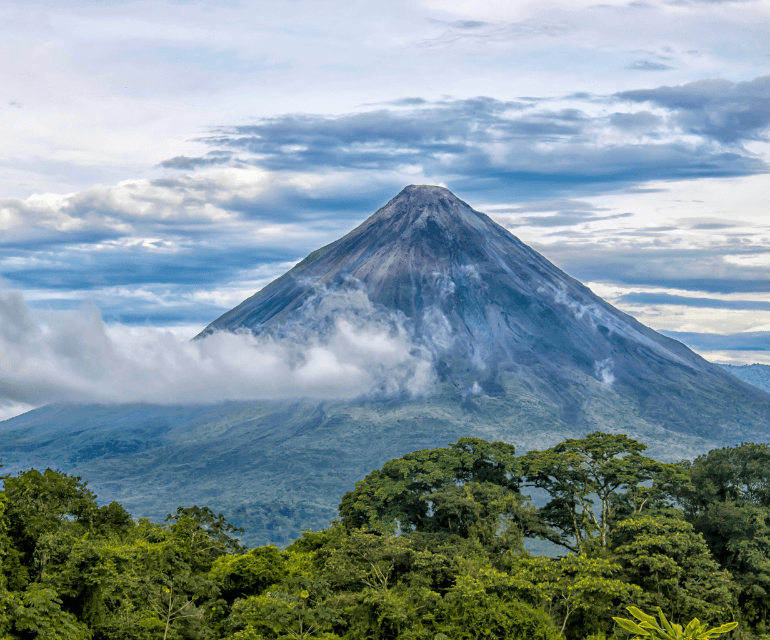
x=193, y=206
x=271, y=191
x=75, y=357
x=172, y=250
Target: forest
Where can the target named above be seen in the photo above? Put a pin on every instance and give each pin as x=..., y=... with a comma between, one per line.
x=431, y=546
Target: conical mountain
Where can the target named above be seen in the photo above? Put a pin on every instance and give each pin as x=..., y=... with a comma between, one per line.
x=491, y=309
x=521, y=353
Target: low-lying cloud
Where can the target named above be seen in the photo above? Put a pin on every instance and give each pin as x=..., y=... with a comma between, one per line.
x=74, y=357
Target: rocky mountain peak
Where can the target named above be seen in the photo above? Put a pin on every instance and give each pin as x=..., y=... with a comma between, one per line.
x=423, y=200
x=491, y=310
x=426, y=211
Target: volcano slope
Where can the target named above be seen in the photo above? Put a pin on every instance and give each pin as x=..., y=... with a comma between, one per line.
x=518, y=351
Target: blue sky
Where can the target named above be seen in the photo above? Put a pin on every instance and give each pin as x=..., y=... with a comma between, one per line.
x=163, y=160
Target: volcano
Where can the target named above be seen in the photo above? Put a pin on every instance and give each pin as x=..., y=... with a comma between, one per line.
x=518, y=350
x=489, y=308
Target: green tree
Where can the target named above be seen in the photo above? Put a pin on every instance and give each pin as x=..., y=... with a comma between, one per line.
x=39, y=508
x=671, y=563
x=384, y=585
x=470, y=489
x=249, y=573
x=589, y=481
x=299, y=609
x=577, y=591
x=37, y=613
x=732, y=474
x=171, y=606
x=472, y=611
x=727, y=500
x=203, y=536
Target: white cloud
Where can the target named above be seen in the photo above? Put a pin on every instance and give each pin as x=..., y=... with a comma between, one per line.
x=100, y=91
x=164, y=215
x=735, y=357
x=75, y=357
x=511, y=10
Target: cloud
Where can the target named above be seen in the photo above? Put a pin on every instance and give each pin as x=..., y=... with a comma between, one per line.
x=480, y=32
x=728, y=112
x=489, y=145
x=603, y=370
x=665, y=265
x=701, y=303
x=343, y=349
x=552, y=213
x=187, y=164
x=151, y=250
x=647, y=65
x=556, y=220
x=271, y=191
x=752, y=341
x=706, y=2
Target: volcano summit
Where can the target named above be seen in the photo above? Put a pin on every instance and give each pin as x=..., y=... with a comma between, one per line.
x=516, y=350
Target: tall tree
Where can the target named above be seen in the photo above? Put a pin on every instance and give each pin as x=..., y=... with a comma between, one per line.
x=576, y=590
x=671, y=563
x=471, y=489
x=590, y=480
x=728, y=501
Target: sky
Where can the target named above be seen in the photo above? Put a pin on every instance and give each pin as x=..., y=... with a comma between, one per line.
x=162, y=161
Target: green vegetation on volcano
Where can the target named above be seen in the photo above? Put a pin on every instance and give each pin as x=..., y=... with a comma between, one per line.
x=430, y=547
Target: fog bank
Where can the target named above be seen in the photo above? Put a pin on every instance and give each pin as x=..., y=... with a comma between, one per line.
x=342, y=349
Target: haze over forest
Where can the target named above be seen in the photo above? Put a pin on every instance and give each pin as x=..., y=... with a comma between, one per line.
x=162, y=161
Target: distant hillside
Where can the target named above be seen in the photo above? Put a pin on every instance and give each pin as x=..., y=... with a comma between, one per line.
x=755, y=374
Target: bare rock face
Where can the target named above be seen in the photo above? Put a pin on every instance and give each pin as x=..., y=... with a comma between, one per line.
x=490, y=309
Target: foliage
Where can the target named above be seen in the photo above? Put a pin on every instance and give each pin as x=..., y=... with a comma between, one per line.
x=672, y=564
x=732, y=474
x=602, y=466
x=662, y=629
x=727, y=500
x=473, y=612
x=428, y=547
x=470, y=489
x=248, y=573
x=575, y=589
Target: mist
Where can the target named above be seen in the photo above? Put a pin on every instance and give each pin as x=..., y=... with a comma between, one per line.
x=341, y=348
